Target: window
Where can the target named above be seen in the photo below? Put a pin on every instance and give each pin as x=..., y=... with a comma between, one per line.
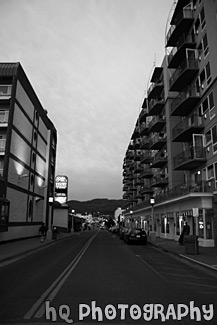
x=205, y=45
x=5, y=90
x=211, y=105
x=208, y=73
x=214, y=139
x=3, y=116
x=202, y=79
x=202, y=18
x=205, y=105
x=210, y=172
x=208, y=138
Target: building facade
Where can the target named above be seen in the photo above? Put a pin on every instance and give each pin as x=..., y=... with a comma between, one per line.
x=172, y=155
x=28, y=141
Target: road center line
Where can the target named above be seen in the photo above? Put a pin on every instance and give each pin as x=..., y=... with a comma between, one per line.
x=51, y=292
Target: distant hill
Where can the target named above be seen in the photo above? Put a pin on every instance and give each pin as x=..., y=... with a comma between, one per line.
x=104, y=206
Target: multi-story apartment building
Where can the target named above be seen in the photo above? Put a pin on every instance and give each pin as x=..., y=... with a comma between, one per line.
x=28, y=142
x=172, y=155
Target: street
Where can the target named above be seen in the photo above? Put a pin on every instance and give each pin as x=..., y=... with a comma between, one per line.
x=95, y=277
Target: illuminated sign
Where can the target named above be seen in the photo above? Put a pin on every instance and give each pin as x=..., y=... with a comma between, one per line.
x=61, y=188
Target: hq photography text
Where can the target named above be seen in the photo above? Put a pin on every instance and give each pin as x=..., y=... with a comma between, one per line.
x=147, y=312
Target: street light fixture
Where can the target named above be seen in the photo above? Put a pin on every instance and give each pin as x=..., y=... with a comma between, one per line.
x=153, y=235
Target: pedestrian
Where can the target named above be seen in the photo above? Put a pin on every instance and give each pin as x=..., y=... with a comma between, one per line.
x=43, y=231
x=185, y=232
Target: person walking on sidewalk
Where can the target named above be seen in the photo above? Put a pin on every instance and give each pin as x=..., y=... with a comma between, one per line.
x=43, y=231
x=185, y=232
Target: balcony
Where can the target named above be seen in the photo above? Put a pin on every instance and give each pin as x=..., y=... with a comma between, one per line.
x=187, y=189
x=190, y=158
x=2, y=145
x=158, y=142
x=178, y=53
x=143, y=114
x=184, y=103
x=159, y=160
x=136, y=144
x=135, y=134
x=146, y=189
x=137, y=181
x=137, y=167
x=184, y=130
x=159, y=181
x=157, y=123
x=144, y=129
x=144, y=143
x=187, y=70
x=145, y=158
x=136, y=156
x=155, y=106
x=146, y=173
x=155, y=89
x=5, y=91
x=4, y=118
x=181, y=24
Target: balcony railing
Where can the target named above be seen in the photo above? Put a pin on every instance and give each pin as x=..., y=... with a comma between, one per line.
x=184, y=103
x=155, y=106
x=146, y=173
x=159, y=159
x=155, y=89
x=179, y=51
x=157, y=123
x=144, y=144
x=182, y=24
x=190, y=158
x=183, y=131
x=182, y=76
x=157, y=142
x=185, y=189
x=2, y=145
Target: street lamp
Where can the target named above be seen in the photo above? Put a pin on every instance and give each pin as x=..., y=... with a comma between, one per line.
x=152, y=233
x=131, y=215
x=152, y=202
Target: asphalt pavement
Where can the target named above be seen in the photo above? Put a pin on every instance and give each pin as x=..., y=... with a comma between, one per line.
x=204, y=256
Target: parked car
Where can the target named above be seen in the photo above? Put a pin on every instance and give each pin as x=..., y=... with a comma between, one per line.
x=136, y=235
x=114, y=229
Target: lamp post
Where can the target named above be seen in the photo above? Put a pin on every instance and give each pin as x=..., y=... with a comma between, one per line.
x=131, y=217
x=152, y=233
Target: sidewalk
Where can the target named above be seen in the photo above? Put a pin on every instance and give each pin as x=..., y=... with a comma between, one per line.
x=207, y=256
x=12, y=251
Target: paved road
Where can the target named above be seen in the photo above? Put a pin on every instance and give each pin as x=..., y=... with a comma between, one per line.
x=96, y=278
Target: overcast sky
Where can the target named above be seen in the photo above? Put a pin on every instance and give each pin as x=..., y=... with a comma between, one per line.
x=89, y=62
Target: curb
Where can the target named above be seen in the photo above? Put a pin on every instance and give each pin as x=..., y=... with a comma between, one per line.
x=191, y=260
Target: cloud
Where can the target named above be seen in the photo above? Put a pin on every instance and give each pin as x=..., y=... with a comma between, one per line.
x=89, y=62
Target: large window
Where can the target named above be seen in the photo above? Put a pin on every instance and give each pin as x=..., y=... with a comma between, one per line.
x=202, y=18
x=214, y=139
x=5, y=90
x=205, y=45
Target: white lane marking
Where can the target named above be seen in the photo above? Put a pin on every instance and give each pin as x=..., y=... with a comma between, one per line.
x=148, y=265
x=51, y=292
